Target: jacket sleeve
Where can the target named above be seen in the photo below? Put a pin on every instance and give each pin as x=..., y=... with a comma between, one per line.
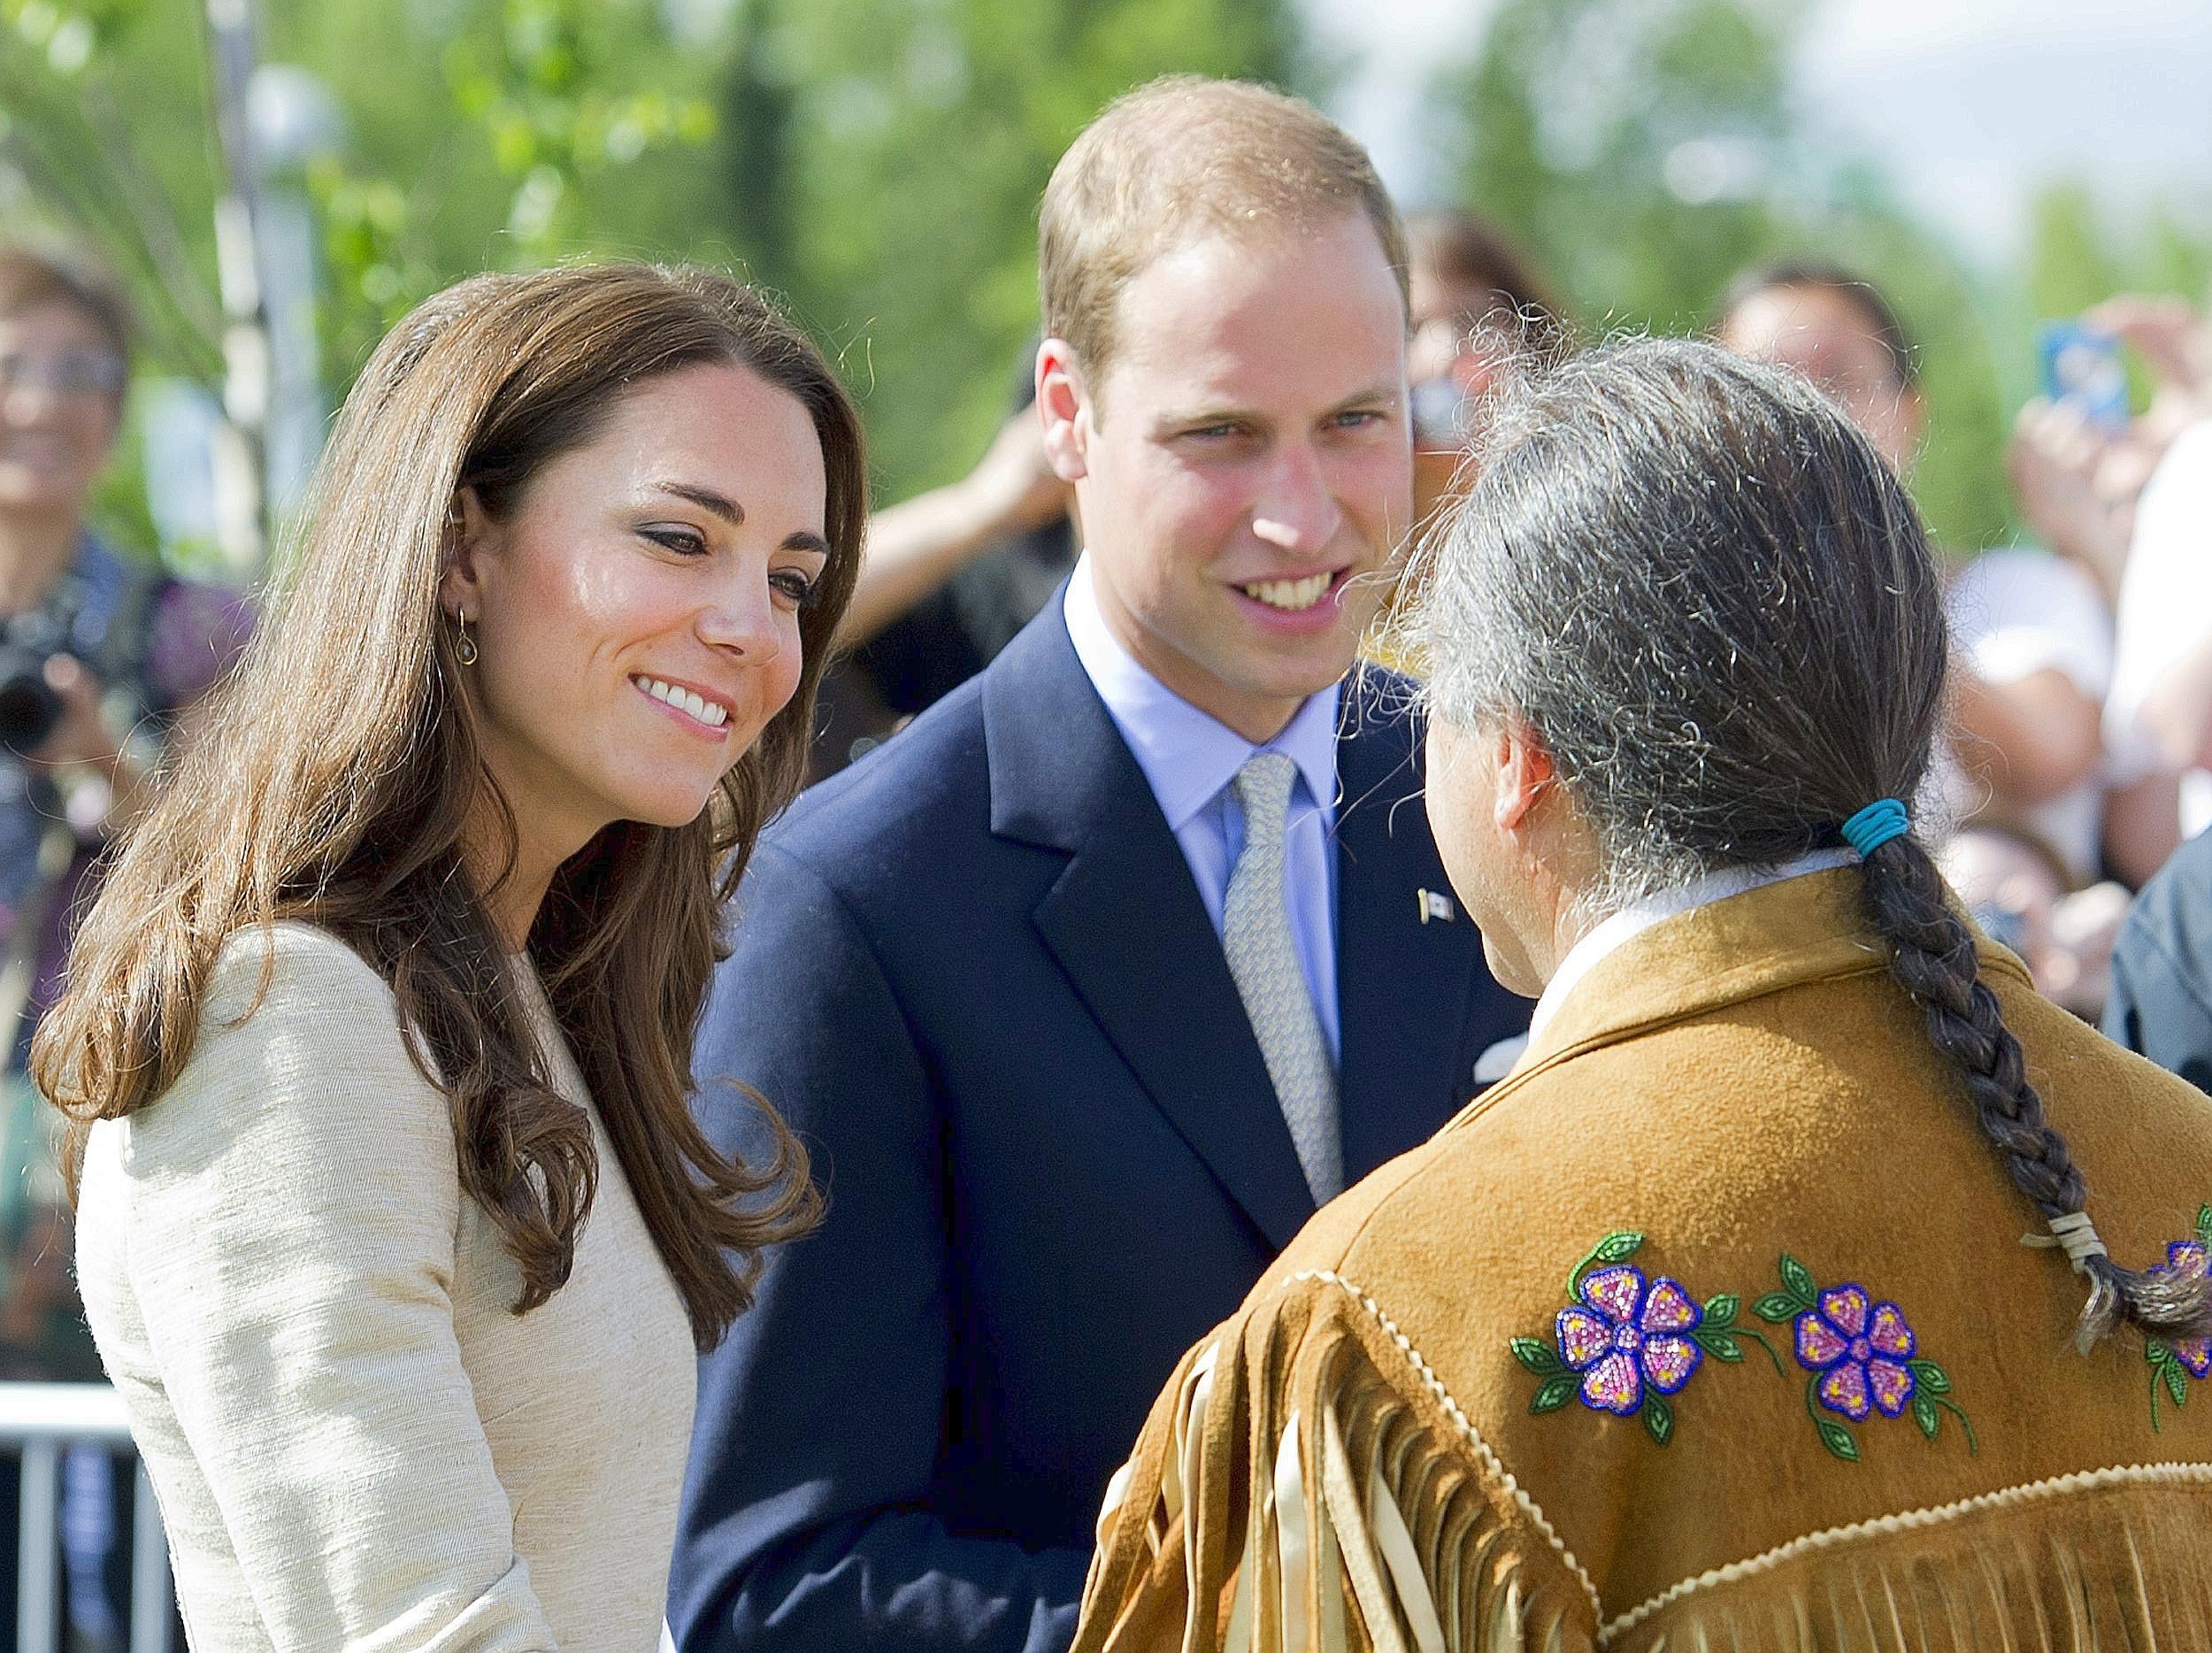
x=806, y=1521
x=290, y=1240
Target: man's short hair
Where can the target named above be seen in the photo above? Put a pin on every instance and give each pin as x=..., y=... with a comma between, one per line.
x=1186, y=154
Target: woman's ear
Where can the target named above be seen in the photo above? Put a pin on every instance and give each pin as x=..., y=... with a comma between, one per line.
x=469, y=530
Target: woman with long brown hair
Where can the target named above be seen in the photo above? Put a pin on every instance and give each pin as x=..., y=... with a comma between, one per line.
x=397, y=1236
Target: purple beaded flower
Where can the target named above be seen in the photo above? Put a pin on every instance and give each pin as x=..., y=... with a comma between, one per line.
x=1861, y=1350
x=2172, y=1360
x=1862, y=1356
x=1626, y=1342
x=1631, y=1334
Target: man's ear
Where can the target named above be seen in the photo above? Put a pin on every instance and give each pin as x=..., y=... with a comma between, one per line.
x=1525, y=770
x=468, y=529
x=1063, y=404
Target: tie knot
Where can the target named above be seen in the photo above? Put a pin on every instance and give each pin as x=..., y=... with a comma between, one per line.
x=1263, y=787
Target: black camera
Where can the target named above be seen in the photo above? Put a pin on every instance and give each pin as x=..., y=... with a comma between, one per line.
x=29, y=708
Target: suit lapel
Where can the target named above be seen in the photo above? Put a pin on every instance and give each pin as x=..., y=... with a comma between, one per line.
x=1125, y=923
x=1404, y=981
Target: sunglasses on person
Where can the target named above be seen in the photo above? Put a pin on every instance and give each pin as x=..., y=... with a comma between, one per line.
x=70, y=373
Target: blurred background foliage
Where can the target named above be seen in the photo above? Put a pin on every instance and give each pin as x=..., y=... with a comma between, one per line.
x=878, y=162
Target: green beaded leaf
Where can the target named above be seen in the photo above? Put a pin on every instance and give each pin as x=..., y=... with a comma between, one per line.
x=1777, y=1306
x=1838, y=1439
x=2157, y=1353
x=1555, y=1392
x=1932, y=1376
x=1537, y=1356
x=2204, y=1224
x=1924, y=1414
x=2176, y=1386
x=1658, y=1417
x=1799, y=1279
x=1720, y=1345
x=1617, y=1247
x=1720, y=1312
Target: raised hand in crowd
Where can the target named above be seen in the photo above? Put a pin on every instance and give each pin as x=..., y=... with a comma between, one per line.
x=917, y=545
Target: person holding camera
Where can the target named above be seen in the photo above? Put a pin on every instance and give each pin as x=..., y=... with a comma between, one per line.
x=100, y=655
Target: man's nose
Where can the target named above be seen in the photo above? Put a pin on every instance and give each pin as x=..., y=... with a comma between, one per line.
x=1297, y=511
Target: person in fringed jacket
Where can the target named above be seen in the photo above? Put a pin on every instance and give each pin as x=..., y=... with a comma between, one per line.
x=1809, y=1282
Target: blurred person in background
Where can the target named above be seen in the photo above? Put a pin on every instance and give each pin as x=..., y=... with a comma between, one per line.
x=103, y=656
x=1120, y=961
x=2031, y=631
x=101, y=659
x=1476, y=302
x=1781, y=1126
x=2159, y=715
x=399, y=1239
x=949, y=577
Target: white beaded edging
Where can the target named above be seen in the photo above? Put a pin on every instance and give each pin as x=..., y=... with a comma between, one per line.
x=1489, y=1459
x=1910, y=1521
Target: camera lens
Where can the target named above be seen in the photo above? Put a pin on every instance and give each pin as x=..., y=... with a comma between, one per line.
x=28, y=706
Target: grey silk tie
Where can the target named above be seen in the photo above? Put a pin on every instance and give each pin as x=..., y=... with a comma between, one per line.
x=1264, y=960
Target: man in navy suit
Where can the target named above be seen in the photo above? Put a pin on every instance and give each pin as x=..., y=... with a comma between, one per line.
x=1088, y=989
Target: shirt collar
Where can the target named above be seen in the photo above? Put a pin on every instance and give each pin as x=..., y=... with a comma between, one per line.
x=1188, y=756
x=1634, y=919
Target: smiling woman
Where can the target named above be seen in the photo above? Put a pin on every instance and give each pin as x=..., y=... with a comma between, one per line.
x=394, y=987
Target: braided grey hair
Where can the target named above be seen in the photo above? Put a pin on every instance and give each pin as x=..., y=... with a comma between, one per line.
x=1700, y=584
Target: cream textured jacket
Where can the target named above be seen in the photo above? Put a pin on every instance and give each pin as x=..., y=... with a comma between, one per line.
x=355, y=1442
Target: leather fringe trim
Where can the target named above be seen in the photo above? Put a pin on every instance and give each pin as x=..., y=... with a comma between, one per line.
x=1286, y=1496
x=1911, y=1521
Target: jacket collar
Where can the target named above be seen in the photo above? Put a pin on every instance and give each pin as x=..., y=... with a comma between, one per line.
x=1728, y=952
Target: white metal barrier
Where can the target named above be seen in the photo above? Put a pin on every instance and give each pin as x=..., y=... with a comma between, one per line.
x=42, y=1421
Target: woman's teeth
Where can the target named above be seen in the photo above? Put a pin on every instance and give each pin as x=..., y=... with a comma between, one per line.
x=1290, y=594
x=684, y=701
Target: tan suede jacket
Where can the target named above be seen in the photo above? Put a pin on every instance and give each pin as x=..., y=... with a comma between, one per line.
x=1710, y=1325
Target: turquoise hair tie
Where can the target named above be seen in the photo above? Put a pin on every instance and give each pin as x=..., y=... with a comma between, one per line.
x=1875, y=825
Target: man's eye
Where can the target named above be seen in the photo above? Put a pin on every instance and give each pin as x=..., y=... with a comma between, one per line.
x=1359, y=418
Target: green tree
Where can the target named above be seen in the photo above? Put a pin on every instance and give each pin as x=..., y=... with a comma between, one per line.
x=1645, y=150
x=883, y=161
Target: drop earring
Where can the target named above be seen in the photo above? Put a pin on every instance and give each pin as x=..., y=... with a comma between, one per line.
x=464, y=646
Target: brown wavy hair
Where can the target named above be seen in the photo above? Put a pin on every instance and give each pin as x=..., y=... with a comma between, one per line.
x=353, y=820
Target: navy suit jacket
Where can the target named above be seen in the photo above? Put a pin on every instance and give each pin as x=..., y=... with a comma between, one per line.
x=974, y=972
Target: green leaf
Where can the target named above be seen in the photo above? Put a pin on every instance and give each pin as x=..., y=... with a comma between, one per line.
x=1720, y=1345
x=1777, y=1306
x=1658, y=1417
x=2204, y=1224
x=1799, y=1279
x=2157, y=1353
x=1838, y=1439
x=1555, y=1392
x=1537, y=1356
x=1924, y=1414
x=1617, y=1247
x=2176, y=1386
x=1932, y=1376
x=1720, y=1312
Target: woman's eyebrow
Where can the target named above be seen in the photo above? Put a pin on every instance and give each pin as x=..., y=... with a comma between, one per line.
x=706, y=499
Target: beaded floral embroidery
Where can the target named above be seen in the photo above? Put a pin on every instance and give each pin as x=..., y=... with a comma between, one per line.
x=1625, y=1342
x=1862, y=1356
x=2191, y=1356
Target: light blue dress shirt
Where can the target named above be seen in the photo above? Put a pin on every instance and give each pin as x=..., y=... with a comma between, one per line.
x=1189, y=759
